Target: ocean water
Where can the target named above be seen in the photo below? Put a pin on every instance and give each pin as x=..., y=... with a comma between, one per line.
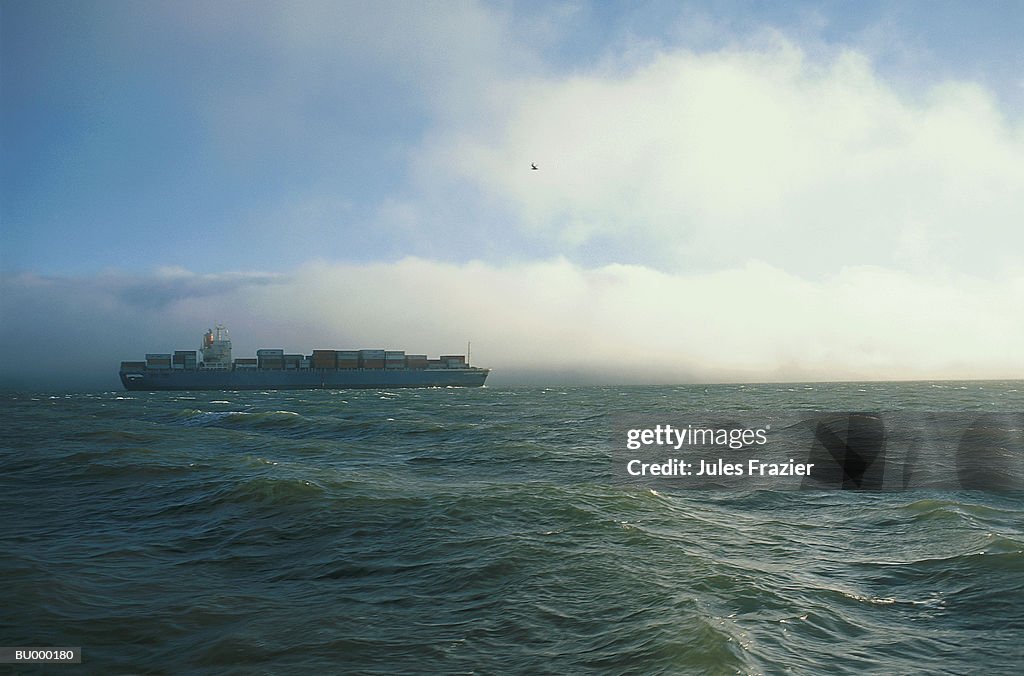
x=483, y=531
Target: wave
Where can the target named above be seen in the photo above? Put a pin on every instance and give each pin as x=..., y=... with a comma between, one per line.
x=241, y=419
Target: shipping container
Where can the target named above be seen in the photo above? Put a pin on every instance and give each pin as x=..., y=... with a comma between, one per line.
x=184, y=360
x=324, y=359
x=348, y=363
x=372, y=363
x=133, y=366
x=348, y=354
x=270, y=353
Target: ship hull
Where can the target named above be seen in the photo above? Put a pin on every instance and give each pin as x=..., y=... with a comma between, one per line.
x=300, y=379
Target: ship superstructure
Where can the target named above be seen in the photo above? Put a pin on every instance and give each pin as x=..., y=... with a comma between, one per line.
x=216, y=349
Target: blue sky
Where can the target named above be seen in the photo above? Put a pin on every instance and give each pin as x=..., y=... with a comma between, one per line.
x=172, y=163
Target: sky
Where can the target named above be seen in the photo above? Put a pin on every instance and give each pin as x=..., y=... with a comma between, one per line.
x=727, y=191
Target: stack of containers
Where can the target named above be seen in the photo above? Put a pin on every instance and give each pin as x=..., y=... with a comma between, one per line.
x=416, y=361
x=133, y=366
x=246, y=363
x=348, y=359
x=184, y=359
x=454, y=361
x=394, y=359
x=158, y=361
x=291, y=361
x=371, y=359
x=324, y=359
x=270, y=359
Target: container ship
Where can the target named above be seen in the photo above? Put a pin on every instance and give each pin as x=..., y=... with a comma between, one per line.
x=212, y=368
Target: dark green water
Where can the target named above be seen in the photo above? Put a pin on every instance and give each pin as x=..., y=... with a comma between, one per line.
x=480, y=531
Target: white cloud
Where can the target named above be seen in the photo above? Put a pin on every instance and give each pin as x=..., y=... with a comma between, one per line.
x=420, y=122
x=615, y=323
x=699, y=161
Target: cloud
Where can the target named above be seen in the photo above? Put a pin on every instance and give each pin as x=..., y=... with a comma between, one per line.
x=410, y=130
x=703, y=161
x=169, y=286
x=369, y=131
x=613, y=323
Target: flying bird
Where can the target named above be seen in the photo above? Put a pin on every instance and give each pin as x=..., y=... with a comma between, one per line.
x=533, y=166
